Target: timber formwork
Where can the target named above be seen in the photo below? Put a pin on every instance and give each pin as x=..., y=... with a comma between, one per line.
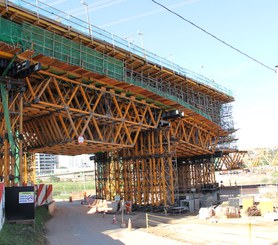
x=29, y=168
x=117, y=101
x=196, y=174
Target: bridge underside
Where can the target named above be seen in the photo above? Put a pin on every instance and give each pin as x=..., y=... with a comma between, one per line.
x=140, y=156
x=140, y=153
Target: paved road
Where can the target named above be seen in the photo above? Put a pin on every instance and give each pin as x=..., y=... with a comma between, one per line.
x=73, y=225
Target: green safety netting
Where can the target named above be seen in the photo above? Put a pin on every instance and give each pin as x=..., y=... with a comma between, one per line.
x=53, y=45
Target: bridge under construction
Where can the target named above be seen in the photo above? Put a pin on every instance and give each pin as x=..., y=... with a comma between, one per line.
x=156, y=130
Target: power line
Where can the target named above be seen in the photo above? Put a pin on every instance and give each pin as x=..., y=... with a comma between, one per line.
x=213, y=36
x=133, y=17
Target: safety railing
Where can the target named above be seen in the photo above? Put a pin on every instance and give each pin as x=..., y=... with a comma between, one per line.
x=155, y=220
x=42, y=9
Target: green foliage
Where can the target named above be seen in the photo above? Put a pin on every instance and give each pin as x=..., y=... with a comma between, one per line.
x=128, y=93
x=149, y=101
x=54, y=179
x=64, y=189
x=25, y=234
x=139, y=97
x=274, y=176
x=265, y=180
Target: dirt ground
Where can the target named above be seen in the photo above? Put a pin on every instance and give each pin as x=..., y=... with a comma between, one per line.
x=74, y=224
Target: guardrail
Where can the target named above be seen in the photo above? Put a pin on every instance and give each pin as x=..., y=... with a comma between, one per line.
x=42, y=9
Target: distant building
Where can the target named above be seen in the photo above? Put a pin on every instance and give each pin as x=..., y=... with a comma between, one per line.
x=75, y=162
x=46, y=163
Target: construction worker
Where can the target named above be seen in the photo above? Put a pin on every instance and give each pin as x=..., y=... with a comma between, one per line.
x=104, y=212
x=85, y=195
x=70, y=198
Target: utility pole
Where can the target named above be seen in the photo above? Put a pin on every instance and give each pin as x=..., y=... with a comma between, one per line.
x=142, y=43
x=88, y=18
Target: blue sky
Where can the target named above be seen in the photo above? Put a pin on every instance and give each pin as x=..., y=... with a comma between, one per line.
x=248, y=25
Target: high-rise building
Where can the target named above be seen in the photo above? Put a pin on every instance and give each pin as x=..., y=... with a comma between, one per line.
x=46, y=163
x=75, y=162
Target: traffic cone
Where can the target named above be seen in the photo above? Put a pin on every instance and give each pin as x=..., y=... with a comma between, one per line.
x=129, y=226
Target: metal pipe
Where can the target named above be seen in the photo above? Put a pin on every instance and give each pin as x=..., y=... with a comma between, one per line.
x=88, y=18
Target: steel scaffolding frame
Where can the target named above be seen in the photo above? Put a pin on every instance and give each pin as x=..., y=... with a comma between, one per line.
x=11, y=143
x=183, y=91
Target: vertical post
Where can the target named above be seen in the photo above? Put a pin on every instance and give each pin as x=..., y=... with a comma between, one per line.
x=147, y=222
x=25, y=169
x=20, y=139
x=123, y=205
x=88, y=18
x=9, y=140
x=142, y=44
x=34, y=167
x=125, y=164
x=171, y=171
x=37, y=7
x=6, y=160
x=12, y=167
x=4, y=3
x=152, y=184
x=250, y=233
x=162, y=167
x=113, y=41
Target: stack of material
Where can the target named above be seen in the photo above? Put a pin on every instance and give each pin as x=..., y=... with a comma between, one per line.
x=247, y=202
x=220, y=212
x=206, y=213
x=99, y=205
x=232, y=212
x=209, y=200
x=234, y=202
x=253, y=211
x=266, y=206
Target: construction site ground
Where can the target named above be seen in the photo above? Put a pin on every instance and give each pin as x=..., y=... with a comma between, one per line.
x=73, y=223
